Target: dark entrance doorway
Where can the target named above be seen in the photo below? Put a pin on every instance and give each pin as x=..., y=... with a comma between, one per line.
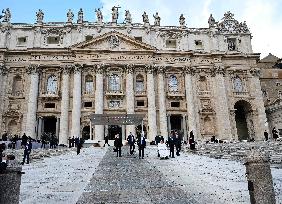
x=113, y=130
x=50, y=125
x=139, y=131
x=243, y=119
x=86, y=132
x=175, y=122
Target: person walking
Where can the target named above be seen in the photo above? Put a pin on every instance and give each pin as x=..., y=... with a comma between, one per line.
x=106, y=140
x=78, y=146
x=171, y=143
x=27, y=151
x=274, y=134
x=131, y=142
x=192, y=140
x=141, y=145
x=118, y=145
x=177, y=144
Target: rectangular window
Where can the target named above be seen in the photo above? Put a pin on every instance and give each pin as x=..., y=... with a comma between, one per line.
x=53, y=40
x=22, y=40
x=231, y=44
x=140, y=103
x=49, y=105
x=138, y=38
x=171, y=43
x=88, y=37
x=87, y=104
x=199, y=44
x=175, y=104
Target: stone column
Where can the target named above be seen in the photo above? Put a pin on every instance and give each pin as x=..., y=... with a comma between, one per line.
x=260, y=116
x=3, y=79
x=260, y=184
x=190, y=101
x=130, y=97
x=64, y=126
x=162, y=103
x=32, y=70
x=57, y=128
x=99, y=101
x=221, y=104
x=39, y=128
x=152, y=123
x=76, y=105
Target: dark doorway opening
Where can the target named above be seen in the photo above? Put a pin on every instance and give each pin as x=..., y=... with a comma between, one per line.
x=113, y=130
x=50, y=125
x=243, y=119
x=139, y=131
x=86, y=132
x=176, y=122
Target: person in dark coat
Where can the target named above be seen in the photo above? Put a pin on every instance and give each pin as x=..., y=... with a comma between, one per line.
x=70, y=141
x=274, y=134
x=192, y=140
x=5, y=136
x=78, y=146
x=265, y=135
x=131, y=142
x=171, y=143
x=76, y=140
x=118, y=145
x=106, y=140
x=177, y=144
x=141, y=145
x=24, y=140
x=27, y=150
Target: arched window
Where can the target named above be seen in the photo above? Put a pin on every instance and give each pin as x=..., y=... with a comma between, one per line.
x=139, y=83
x=114, y=82
x=52, y=85
x=17, y=85
x=238, y=87
x=89, y=85
x=173, y=83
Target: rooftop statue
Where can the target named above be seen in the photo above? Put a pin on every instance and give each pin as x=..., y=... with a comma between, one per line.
x=128, y=19
x=145, y=18
x=7, y=15
x=99, y=15
x=80, y=16
x=39, y=16
x=182, y=20
x=70, y=16
x=157, y=19
x=211, y=21
x=115, y=14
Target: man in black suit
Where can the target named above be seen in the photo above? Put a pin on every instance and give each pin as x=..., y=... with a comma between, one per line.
x=141, y=145
x=131, y=142
x=177, y=144
x=118, y=145
x=171, y=143
x=27, y=151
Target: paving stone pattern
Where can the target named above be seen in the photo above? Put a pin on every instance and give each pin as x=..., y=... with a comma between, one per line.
x=129, y=179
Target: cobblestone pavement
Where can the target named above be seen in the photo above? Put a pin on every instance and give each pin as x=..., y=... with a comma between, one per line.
x=128, y=179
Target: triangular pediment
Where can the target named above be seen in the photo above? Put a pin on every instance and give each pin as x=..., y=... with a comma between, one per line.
x=113, y=41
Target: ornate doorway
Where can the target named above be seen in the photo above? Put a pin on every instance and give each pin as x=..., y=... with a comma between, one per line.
x=176, y=123
x=86, y=132
x=113, y=130
x=50, y=124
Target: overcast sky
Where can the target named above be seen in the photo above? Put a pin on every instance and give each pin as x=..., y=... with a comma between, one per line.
x=263, y=17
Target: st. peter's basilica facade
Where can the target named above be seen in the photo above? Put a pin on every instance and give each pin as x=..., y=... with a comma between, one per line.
x=53, y=76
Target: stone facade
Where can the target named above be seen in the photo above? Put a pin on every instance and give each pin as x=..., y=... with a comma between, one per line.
x=271, y=84
x=54, y=75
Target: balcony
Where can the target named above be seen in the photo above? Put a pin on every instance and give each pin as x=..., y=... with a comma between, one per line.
x=50, y=96
x=175, y=95
x=240, y=94
x=140, y=93
x=114, y=94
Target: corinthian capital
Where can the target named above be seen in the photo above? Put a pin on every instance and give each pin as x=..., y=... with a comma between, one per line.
x=160, y=69
x=218, y=70
x=256, y=72
x=150, y=68
x=129, y=68
x=189, y=70
x=77, y=68
x=32, y=69
x=3, y=69
x=67, y=68
x=100, y=68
